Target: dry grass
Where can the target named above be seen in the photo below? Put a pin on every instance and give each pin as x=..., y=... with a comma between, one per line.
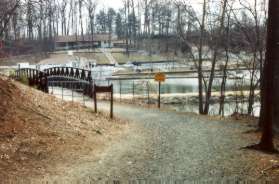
x=40, y=134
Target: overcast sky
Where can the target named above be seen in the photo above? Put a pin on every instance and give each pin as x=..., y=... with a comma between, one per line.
x=196, y=4
x=116, y=4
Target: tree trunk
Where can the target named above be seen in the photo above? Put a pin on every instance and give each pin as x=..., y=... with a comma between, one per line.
x=200, y=60
x=223, y=84
x=224, y=78
x=272, y=58
x=81, y=19
x=214, y=60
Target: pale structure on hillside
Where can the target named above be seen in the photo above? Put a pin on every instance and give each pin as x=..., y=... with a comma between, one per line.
x=83, y=42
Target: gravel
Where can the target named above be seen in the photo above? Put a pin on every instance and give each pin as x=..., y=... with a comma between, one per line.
x=177, y=147
x=169, y=147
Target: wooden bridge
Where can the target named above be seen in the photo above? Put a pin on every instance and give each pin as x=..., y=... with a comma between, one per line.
x=65, y=77
x=41, y=79
x=76, y=73
x=35, y=78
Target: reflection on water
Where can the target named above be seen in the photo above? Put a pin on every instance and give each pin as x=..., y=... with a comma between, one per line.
x=168, y=87
x=229, y=108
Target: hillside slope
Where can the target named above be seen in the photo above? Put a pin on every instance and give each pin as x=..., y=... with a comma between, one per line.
x=41, y=135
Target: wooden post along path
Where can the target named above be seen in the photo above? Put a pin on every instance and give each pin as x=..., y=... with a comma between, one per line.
x=103, y=89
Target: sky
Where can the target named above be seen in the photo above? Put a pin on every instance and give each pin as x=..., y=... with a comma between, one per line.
x=116, y=4
x=119, y=3
x=196, y=4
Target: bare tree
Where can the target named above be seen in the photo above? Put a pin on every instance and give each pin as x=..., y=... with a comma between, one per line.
x=7, y=10
x=146, y=4
x=226, y=41
x=127, y=35
x=200, y=50
x=110, y=20
x=91, y=8
x=80, y=5
x=63, y=8
x=271, y=62
x=218, y=39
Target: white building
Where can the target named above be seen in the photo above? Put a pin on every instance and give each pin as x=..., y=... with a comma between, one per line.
x=86, y=41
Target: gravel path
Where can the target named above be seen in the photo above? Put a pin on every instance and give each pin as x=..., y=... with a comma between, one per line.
x=167, y=146
x=179, y=147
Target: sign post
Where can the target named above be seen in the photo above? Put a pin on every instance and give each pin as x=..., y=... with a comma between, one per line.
x=103, y=89
x=160, y=77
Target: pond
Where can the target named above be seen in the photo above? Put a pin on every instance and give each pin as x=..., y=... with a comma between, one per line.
x=170, y=86
x=181, y=94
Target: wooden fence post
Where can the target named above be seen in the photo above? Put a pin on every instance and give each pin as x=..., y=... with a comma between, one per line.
x=148, y=93
x=120, y=89
x=95, y=98
x=133, y=89
x=102, y=89
x=111, y=102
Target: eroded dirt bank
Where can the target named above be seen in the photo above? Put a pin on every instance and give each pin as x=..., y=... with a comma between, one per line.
x=42, y=136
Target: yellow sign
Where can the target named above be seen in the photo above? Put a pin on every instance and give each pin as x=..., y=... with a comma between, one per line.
x=160, y=77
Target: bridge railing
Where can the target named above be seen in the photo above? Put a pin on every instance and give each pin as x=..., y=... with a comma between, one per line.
x=77, y=73
x=35, y=77
x=71, y=83
x=39, y=78
x=69, y=90
x=66, y=77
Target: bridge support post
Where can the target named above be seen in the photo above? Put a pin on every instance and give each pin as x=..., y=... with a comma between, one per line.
x=46, y=85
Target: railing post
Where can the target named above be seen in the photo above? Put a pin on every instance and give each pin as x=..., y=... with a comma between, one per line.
x=111, y=102
x=120, y=89
x=148, y=93
x=95, y=98
x=62, y=91
x=133, y=89
x=72, y=85
x=52, y=87
x=46, y=85
x=84, y=91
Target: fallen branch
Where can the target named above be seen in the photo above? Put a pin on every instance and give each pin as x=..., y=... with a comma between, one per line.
x=273, y=167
